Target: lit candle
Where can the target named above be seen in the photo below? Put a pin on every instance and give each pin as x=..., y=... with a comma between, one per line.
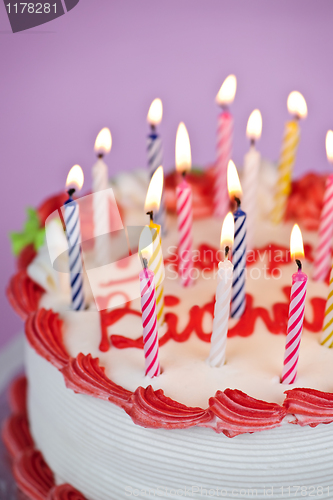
x=252, y=161
x=296, y=309
x=103, y=145
x=155, y=153
x=323, y=257
x=73, y=232
x=184, y=206
x=223, y=296
x=238, y=299
x=152, y=204
x=148, y=306
x=298, y=109
x=225, y=126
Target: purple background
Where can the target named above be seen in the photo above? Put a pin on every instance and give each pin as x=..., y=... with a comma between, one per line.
x=102, y=64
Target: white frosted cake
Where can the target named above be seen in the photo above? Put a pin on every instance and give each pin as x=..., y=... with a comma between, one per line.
x=110, y=432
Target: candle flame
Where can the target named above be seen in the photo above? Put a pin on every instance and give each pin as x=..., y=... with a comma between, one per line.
x=296, y=105
x=155, y=112
x=227, y=92
x=183, y=149
x=329, y=145
x=103, y=142
x=254, y=125
x=154, y=193
x=227, y=233
x=146, y=244
x=296, y=243
x=234, y=186
x=75, y=178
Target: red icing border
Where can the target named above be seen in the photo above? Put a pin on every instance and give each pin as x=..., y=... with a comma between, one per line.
x=231, y=412
x=31, y=472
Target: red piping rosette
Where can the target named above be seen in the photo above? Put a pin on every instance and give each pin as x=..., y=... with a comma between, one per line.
x=310, y=407
x=84, y=375
x=18, y=395
x=155, y=410
x=239, y=413
x=65, y=492
x=33, y=475
x=16, y=434
x=23, y=294
x=44, y=332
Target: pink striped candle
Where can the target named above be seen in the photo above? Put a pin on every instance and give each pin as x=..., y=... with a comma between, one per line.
x=323, y=258
x=184, y=214
x=225, y=126
x=184, y=206
x=149, y=322
x=296, y=313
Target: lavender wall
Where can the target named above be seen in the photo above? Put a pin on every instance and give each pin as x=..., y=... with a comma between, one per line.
x=103, y=63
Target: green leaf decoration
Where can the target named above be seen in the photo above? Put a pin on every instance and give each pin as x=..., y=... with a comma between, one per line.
x=32, y=233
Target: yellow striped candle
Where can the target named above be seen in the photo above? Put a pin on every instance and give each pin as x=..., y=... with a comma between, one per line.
x=327, y=335
x=297, y=107
x=155, y=264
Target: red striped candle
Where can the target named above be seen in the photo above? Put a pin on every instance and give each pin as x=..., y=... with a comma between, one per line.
x=184, y=214
x=296, y=311
x=149, y=322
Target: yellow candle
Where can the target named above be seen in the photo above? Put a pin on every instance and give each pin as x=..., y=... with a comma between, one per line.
x=297, y=107
x=327, y=335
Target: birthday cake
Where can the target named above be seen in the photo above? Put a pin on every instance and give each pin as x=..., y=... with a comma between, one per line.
x=94, y=426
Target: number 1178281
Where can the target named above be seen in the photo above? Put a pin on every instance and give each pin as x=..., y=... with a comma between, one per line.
x=31, y=8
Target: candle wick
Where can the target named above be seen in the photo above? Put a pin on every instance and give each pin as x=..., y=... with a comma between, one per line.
x=70, y=192
x=184, y=174
x=224, y=107
x=153, y=127
x=237, y=200
x=151, y=215
x=226, y=251
x=100, y=156
x=252, y=142
x=145, y=263
x=299, y=264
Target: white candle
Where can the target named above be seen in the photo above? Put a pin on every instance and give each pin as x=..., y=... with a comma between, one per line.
x=252, y=161
x=100, y=199
x=223, y=296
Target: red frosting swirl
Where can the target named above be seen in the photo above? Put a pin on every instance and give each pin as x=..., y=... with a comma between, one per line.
x=16, y=434
x=23, y=294
x=310, y=407
x=65, y=492
x=154, y=409
x=238, y=413
x=44, y=332
x=33, y=475
x=18, y=395
x=84, y=375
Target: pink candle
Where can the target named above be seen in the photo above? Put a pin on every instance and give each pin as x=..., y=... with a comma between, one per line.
x=323, y=257
x=225, y=128
x=149, y=322
x=296, y=314
x=184, y=214
x=322, y=263
x=184, y=207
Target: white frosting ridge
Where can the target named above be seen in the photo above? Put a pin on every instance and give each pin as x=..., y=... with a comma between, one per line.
x=95, y=446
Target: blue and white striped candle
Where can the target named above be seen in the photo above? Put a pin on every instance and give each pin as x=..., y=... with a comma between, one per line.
x=155, y=154
x=73, y=232
x=238, y=299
